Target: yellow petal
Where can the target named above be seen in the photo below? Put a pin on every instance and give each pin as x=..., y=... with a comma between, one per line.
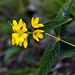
x=24, y=35
x=20, y=43
x=32, y=21
x=40, y=36
x=40, y=25
x=21, y=39
x=35, y=37
x=37, y=34
x=13, y=28
x=36, y=21
x=17, y=44
x=20, y=21
x=24, y=25
x=17, y=40
x=38, y=30
x=41, y=31
x=24, y=29
x=13, y=41
x=25, y=44
x=35, y=31
x=14, y=22
x=15, y=35
x=16, y=29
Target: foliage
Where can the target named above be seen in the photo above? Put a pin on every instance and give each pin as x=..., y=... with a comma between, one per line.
x=55, y=73
x=49, y=57
x=50, y=8
x=12, y=52
x=57, y=48
x=46, y=62
x=63, y=14
x=29, y=71
x=67, y=50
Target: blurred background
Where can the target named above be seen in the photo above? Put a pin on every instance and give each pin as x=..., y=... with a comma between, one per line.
x=19, y=61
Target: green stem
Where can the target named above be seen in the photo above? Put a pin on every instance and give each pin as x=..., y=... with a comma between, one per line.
x=59, y=39
x=30, y=32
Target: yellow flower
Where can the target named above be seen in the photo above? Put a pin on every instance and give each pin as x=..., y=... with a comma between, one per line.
x=19, y=27
x=35, y=22
x=37, y=34
x=19, y=36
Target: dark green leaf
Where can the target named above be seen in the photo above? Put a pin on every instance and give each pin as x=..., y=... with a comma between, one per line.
x=67, y=50
x=69, y=54
x=53, y=24
x=49, y=57
x=12, y=52
x=27, y=71
x=63, y=14
x=54, y=73
x=17, y=73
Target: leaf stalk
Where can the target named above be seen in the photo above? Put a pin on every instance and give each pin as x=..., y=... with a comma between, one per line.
x=59, y=39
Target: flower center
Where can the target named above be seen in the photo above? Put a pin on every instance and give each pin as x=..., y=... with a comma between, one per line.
x=35, y=33
x=20, y=33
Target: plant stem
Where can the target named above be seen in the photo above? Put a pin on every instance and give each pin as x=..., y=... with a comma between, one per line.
x=59, y=39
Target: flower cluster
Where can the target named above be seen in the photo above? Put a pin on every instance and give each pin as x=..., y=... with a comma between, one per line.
x=20, y=34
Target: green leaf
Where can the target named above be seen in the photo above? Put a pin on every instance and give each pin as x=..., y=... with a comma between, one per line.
x=67, y=50
x=27, y=71
x=68, y=73
x=63, y=14
x=17, y=73
x=12, y=52
x=54, y=73
x=55, y=23
x=69, y=54
x=49, y=57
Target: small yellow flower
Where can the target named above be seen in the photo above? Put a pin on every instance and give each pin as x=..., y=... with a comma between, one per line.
x=35, y=22
x=37, y=34
x=19, y=36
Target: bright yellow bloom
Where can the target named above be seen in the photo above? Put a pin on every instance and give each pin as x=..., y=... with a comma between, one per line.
x=19, y=36
x=37, y=34
x=35, y=22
